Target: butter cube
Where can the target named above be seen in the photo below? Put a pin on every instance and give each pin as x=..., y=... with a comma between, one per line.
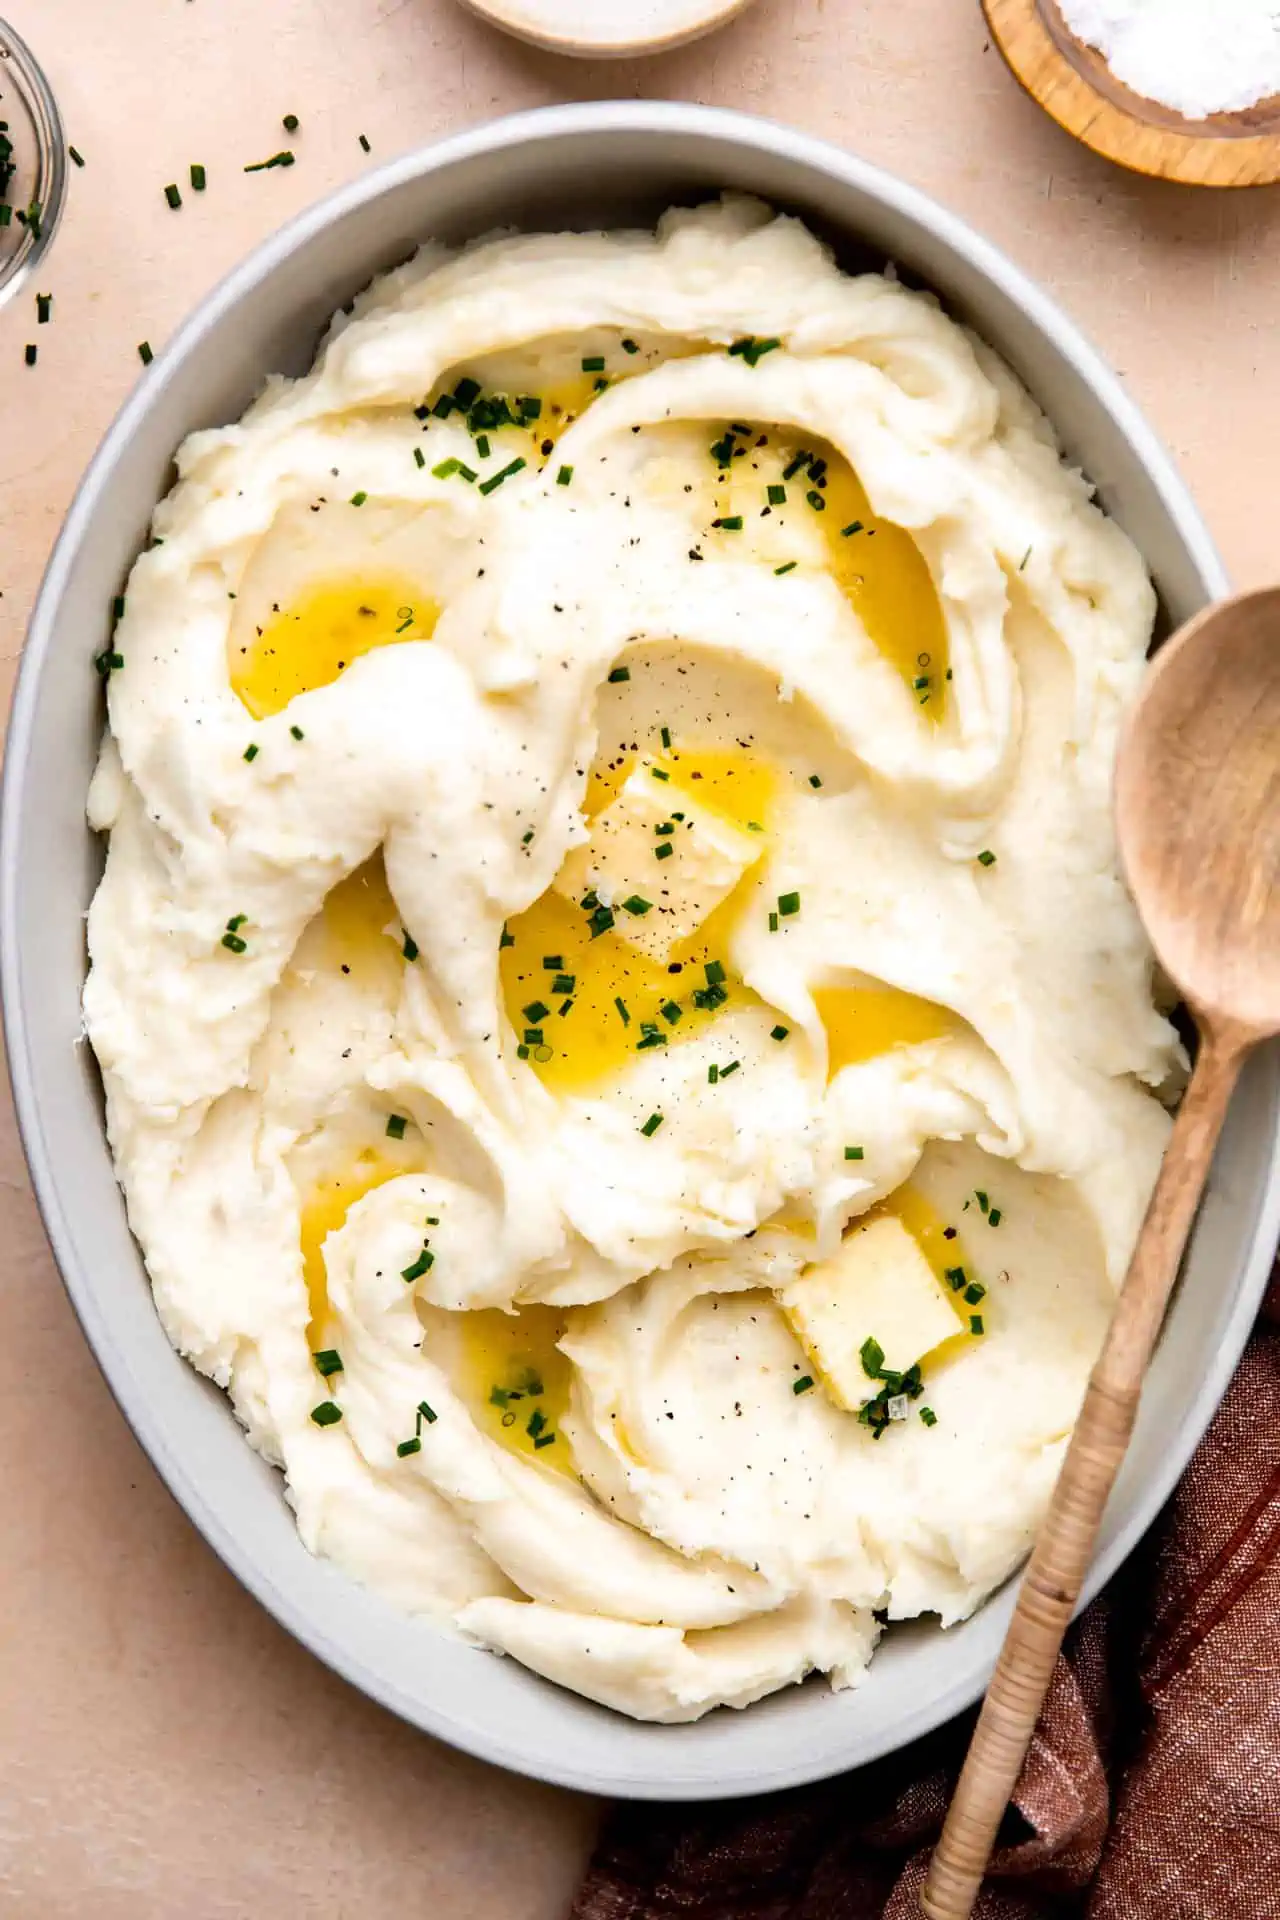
x=653, y=844
x=879, y=1287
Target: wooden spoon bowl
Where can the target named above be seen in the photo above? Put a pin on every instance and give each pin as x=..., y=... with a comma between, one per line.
x=1075, y=86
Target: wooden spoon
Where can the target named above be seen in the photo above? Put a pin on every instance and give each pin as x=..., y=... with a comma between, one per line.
x=1198, y=820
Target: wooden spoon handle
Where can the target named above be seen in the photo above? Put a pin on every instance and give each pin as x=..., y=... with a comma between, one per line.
x=1064, y=1547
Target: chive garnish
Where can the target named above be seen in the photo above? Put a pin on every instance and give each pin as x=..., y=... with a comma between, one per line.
x=658, y=773
x=144, y=352
x=816, y=500
x=621, y=1005
x=396, y=1124
x=994, y=1217
x=533, y=1037
x=107, y=663
x=282, y=159
x=713, y=1073
x=975, y=1323
x=777, y=494
x=671, y=1012
x=406, y=1447
x=752, y=350
x=854, y=1153
x=251, y=751
x=358, y=499
x=420, y=458
x=714, y=971
x=601, y=920
x=788, y=567
x=779, y=1033
x=636, y=903
x=793, y=467
x=535, y=1011
x=76, y=155
x=788, y=903
x=44, y=307
x=651, y=1125
x=974, y=1292
x=732, y=523
x=854, y=526
x=664, y=850
x=594, y=363
x=928, y=1418
x=665, y=736
x=234, y=943
x=815, y=780
x=803, y=1384
x=530, y=408
x=545, y=1440
x=328, y=1361
x=618, y=674
x=871, y=1354
x=536, y=1422
x=198, y=177
x=731, y=1068
x=553, y=962
x=773, y=923
x=363, y=142
x=30, y=354
x=564, y=476
x=296, y=732
x=496, y=479
x=327, y=1414
x=172, y=195
x=423, y=1264
x=986, y=858
x=425, y=1413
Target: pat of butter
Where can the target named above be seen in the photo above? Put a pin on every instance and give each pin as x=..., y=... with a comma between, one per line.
x=655, y=843
x=879, y=1287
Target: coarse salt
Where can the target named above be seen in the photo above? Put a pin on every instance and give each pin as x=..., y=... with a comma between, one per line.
x=1196, y=56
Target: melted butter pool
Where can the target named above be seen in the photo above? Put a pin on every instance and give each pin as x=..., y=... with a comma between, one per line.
x=312, y=640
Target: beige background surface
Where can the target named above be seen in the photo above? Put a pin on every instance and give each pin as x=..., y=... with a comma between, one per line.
x=164, y=1748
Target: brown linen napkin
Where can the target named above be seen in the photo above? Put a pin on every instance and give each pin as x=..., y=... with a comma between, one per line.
x=1152, y=1789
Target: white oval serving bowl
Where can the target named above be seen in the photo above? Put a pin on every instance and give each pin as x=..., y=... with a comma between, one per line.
x=602, y=164
x=604, y=29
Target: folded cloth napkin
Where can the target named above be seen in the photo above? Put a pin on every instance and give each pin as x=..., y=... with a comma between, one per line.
x=1152, y=1788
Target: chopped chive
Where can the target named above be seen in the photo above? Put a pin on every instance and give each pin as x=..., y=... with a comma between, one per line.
x=172, y=195
x=732, y=523
x=1026, y=556
x=776, y=494
x=30, y=354
x=601, y=920
x=296, y=732
x=144, y=352
x=564, y=476
x=658, y=773
x=773, y=923
x=363, y=142
x=44, y=307
x=986, y=858
x=621, y=1005
x=526, y=839
x=788, y=903
x=981, y=1199
x=975, y=1323
x=358, y=499
x=803, y=1384
x=496, y=480
x=327, y=1414
x=198, y=177
x=994, y=1217
x=816, y=500
x=282, y=159
x=752, y=350
x=665, y=736
x=815, y=780
x=713, y=1073
x=553, y=962
x=854, y=526
x=545, y=1440
x=420, y=458
x=236, y=921
x=788, y=567
x=505, y=939
x=536, y=1011
x=76, y=155
x=533, y=1037
x=108, y=663
x=974, y=1292
x=921, y=680
x=871, y=1354
x=251, y=751
x=396, y=1124
x=536, y=1422
x=663, y=851
x=630, y=346
x=529, y=407
x=793, y=467
x=406, y=1447
x=423, y=1264
x=328, y=1361
x=483, y=447
x=955, y=1277
x=854, y=1153
x=636, y=903
x=234, y=943
x=651, y=1125
x=731, y=1068
x=425, y=1413
x=290, y=123
x=564, y=983
x=779, y=1033
x=594, y=363
x=928, y=1418
x=618, y=674
x=714, y=970
x=671, y=1012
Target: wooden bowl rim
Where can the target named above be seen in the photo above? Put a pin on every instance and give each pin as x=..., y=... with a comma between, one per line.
x=1042, y=69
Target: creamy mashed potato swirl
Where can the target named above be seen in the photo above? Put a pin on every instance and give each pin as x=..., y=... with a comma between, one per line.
x=625, y=1045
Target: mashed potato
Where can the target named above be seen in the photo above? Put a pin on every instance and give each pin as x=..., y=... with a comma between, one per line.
x=626, y=1048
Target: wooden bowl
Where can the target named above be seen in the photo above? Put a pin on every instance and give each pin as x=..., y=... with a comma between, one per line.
x=1075, y=86
x=604, y=29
